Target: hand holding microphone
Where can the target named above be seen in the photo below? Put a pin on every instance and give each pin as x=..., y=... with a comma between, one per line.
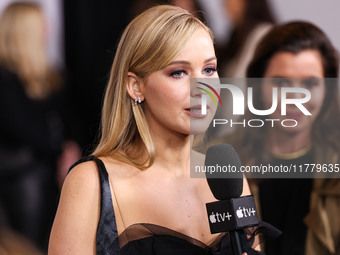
x=231, y=213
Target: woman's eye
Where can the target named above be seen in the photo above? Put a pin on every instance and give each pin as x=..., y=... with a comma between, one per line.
x=281, y=82
x=209, y=70
x=310, y=83
x=177, y=73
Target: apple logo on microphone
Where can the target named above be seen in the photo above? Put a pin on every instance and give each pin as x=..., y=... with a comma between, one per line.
x=212, y=218
x=239, y=213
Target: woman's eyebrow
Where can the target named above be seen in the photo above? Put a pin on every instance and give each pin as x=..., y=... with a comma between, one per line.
x=210, y=59
x=188, y=63
x=180, y=62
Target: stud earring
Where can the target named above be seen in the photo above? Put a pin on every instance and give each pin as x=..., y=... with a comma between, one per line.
x=138, y=100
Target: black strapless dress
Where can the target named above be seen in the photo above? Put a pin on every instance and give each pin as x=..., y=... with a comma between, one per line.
x=150, y=239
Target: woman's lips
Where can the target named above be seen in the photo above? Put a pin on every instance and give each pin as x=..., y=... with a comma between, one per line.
x=196, y=111
x=295, y=116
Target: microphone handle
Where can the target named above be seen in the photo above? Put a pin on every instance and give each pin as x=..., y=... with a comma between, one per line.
x=238, y=239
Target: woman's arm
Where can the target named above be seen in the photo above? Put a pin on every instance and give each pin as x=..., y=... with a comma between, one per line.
x=75, y=225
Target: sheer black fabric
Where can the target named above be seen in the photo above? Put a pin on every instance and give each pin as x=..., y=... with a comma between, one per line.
x=151, y=239
x=158, y=240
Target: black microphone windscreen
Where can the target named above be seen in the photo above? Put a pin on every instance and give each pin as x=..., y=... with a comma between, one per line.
x=223, y=173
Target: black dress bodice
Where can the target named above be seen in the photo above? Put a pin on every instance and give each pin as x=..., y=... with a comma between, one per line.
x=151, y=239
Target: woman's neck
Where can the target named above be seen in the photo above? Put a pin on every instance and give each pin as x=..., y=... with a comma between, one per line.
x=172, y=151
x=283, y=142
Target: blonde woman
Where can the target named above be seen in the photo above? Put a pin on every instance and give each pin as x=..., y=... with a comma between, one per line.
x=134, y=195
x=30, y=134
x=23, y=49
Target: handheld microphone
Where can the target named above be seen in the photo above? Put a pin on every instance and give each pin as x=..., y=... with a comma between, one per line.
x=232, y=213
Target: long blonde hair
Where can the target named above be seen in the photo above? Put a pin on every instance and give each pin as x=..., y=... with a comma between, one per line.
x=23, y=51
x=149, y=43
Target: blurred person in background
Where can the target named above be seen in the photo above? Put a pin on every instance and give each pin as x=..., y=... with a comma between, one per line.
x=250, y=21
x=306, y=209
x=31, y=130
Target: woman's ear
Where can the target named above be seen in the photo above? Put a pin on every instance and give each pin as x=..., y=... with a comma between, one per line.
x=135, y=87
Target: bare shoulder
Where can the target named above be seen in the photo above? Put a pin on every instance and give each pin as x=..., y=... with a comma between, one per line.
x=75, y=224
x=82, y=182
x=84, y=174
x=119, y=170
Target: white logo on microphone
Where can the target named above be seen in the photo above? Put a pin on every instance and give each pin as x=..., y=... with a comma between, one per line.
x=218, y=217
x=244, y=212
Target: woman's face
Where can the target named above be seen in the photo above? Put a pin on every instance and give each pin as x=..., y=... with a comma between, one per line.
x=167, y=92
x=301, y=70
